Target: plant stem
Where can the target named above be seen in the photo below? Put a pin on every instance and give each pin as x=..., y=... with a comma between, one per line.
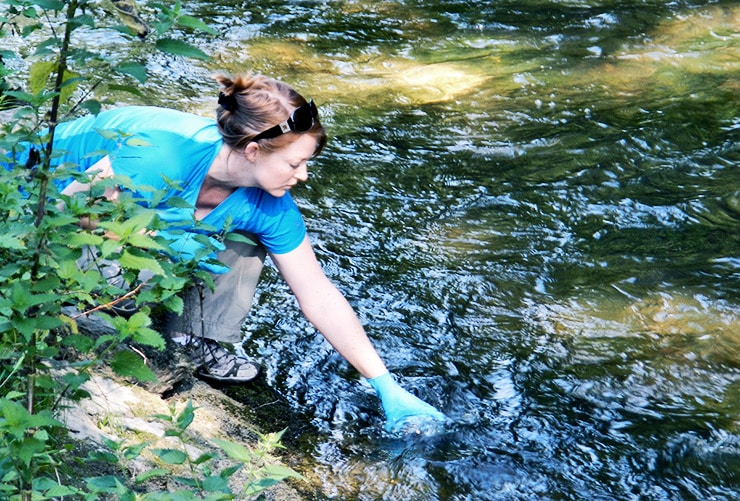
x=54, y=112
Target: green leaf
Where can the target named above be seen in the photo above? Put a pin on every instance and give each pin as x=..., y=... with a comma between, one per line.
x=138, y=320
x=39, y=75
x=144, y=241
x=88, y=280
x=170, y=456
x=149, y=337
x=215, y=484
x=239, y=237
x=229, y=471
x=125, y=88
x=194, y=23
x=136, y=70
x=129, y=364
x=184, y=495
x=137, y=142
x=28, y=449
x=12, y=242
x=91, y=105
x=134, y=451
x=69, y=85
x=150, y=474
x=109, y=135
x=75, y=380
x=79, y=342
x=103, y=456
x=108, y=484
x=185, y=418
x=47, y=323
x=84, y=20
x=22, y=299
x=139, y=222
x=83, y=238
x=175, y=304
x=279, y=472
x=207, y=456
x=30, y=13
x=49, y=4
x=257, y=486
x=131, y=261
x=234, y=450
x=178, y=202
x=14, y=413
x=109, y=247
x=180, y=48
x=59, y=491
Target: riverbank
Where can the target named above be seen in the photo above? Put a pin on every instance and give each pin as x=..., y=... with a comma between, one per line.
x=125, y=412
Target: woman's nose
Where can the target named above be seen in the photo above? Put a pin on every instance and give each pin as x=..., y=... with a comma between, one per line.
x=301, y=173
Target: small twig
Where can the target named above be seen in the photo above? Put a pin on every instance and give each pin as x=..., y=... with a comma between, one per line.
x=266, y=404
x=105, y=306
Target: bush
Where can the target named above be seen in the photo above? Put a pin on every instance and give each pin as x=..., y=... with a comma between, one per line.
x=42, y=241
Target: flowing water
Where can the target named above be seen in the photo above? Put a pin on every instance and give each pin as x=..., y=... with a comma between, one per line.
x=534, y=207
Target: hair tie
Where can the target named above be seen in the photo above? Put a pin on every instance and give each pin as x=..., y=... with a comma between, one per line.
x=227, y=101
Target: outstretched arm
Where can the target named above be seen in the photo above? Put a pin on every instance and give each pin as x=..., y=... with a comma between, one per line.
x=328, y=310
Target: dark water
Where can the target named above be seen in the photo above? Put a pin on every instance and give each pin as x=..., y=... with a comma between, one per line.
x=534, y=207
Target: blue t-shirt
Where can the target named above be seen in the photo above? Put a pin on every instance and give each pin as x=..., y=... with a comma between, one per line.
x=171, y=150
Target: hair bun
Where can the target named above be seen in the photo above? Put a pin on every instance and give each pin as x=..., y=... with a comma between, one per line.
x=227, y=101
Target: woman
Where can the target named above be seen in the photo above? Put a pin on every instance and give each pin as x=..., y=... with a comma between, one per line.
x=237, y=169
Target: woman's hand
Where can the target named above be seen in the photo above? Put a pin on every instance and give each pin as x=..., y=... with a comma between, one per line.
x=403, y=411
x=187, y=247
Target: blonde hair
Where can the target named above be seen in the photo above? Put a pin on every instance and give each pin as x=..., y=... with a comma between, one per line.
x=250, y=105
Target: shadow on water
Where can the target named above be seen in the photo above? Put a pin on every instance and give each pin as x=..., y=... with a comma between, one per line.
x=534, y=208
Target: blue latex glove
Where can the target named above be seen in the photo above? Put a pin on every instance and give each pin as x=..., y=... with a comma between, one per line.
x=404, y=412
x=186, y=248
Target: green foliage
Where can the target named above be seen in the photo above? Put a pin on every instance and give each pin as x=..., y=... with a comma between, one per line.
x=261, y=474
x=49, y=262
x=206, y=476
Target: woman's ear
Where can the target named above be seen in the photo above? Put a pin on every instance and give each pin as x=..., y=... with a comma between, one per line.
x=251, y=150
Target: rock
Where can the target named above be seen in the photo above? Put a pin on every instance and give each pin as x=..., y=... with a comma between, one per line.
x=125, y=411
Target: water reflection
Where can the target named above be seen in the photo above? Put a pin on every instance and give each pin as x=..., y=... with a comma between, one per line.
x=547, y=254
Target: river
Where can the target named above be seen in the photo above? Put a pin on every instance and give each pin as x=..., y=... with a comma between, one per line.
x=534, y=207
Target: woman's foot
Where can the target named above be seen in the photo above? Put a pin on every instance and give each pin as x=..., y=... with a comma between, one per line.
x=217, y=365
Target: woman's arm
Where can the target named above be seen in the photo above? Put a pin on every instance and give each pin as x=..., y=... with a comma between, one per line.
x=101, y=169
x=327, y=309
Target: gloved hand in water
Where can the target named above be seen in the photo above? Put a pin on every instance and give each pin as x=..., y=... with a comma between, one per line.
x=187, y=247
x=403, y=411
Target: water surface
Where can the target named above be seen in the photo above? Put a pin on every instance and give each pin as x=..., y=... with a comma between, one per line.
x=534, y=207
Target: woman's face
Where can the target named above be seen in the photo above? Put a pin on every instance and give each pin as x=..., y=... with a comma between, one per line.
x=278, y=171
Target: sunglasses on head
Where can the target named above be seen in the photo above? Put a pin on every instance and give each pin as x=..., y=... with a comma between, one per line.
x=301, y=120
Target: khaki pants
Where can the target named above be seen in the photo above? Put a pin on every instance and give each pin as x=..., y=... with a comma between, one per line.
x=220, y=314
